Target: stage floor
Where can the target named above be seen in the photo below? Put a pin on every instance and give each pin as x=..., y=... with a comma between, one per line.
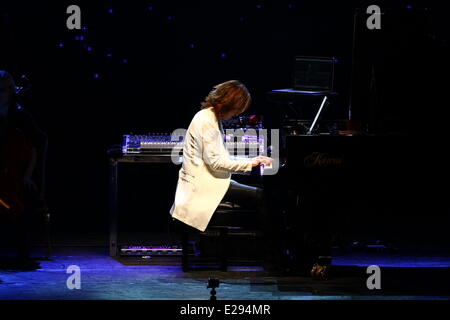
x=418, y=276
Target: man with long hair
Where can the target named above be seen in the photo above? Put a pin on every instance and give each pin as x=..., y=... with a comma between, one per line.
x=205, y=177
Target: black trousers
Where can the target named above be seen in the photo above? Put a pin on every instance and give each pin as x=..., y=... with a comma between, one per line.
x=244, y=195
x=254, y=197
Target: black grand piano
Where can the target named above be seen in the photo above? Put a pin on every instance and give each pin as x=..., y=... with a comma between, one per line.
x=337, y=187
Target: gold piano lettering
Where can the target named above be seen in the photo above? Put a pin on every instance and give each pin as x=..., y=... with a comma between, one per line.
x=319, y=159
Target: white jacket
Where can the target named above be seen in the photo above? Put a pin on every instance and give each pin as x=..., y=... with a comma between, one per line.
x=204, y=177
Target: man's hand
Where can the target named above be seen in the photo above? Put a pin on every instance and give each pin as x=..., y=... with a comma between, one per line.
x=266, y=161
x=261, y=160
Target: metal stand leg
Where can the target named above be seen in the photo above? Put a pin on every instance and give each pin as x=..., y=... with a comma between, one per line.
x=113, y=208
x=184, y=246
x=48, y=234
x=223, y=236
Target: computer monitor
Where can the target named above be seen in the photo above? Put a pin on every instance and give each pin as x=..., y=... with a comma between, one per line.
x=313, y=73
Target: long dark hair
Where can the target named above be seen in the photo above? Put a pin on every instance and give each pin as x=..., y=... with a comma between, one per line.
x=226, y=97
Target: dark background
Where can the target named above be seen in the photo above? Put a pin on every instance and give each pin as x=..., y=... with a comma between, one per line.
x=156, y=60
